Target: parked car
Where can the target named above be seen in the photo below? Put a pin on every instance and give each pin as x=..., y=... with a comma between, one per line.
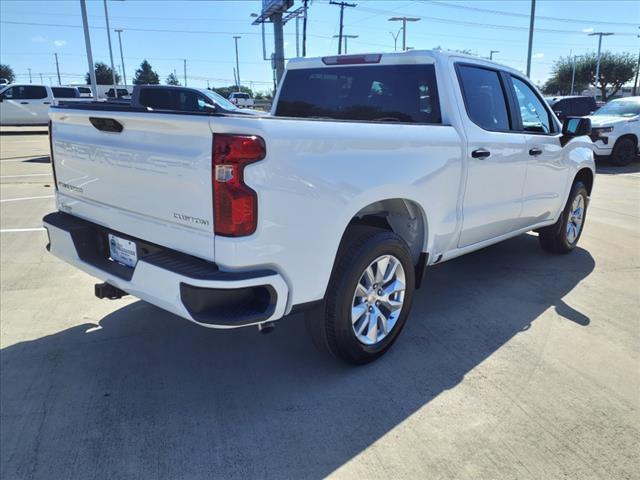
x=176, y=98
x=122, y=93
x=26, y=104
x=368, y=172
x=572, y=106
x=85, y=92
x=616, y=130
x=241, y=99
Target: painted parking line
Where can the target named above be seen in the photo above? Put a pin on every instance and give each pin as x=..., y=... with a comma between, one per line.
x=25, y=198
x=26, y=175
x=17, y=230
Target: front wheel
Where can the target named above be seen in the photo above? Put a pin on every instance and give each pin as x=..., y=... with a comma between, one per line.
x=368, y=297
x=624, y=152
x=563, y=236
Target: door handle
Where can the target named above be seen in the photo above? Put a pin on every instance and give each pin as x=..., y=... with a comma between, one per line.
x=24, y=103
x=47, y=103
x=480, y=153
x=535, y=151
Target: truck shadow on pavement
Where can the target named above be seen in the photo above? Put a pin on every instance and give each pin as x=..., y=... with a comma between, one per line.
x=150, y=395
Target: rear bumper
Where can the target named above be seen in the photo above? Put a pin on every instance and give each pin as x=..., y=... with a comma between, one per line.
x=187, y=286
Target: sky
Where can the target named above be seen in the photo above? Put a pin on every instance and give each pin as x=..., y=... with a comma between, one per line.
x=165, y=32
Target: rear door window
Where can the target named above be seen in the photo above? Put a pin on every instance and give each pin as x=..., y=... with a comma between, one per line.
x=484, y=97
x=382, y=93
x=25, y=92
x=64, y=92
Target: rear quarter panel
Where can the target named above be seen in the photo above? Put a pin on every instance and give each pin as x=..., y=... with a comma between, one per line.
x=318, y=174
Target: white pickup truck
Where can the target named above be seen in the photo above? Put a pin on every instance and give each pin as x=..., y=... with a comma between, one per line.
x=370, y=169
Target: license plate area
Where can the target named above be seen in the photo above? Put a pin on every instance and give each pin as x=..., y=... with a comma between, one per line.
x=123, y=251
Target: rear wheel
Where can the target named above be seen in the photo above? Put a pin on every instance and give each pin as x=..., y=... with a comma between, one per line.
x=563, y=236
x=624, y=152
x=368, y=298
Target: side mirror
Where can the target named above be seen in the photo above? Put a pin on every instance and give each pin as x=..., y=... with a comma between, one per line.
x=576, y=126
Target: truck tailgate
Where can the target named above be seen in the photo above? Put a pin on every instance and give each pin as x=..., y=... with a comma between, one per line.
x=152, y=180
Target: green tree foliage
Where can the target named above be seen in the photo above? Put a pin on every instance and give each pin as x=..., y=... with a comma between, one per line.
x=103, y=75
x=172, y=79
x=616, y=69
x=6, y=72
x=145, y=75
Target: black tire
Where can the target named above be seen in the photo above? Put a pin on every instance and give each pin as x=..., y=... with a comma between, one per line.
x=555, y=238
x=330, y=324
x=624, y=152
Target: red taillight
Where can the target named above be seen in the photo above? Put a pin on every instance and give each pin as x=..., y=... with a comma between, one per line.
x=53, y=165
x=235, y=205
x=352, y=59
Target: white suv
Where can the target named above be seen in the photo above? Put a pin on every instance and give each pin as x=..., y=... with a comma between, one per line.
x=616, y=129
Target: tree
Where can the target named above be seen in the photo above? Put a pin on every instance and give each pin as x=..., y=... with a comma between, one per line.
x=6, y=72
x=172, y=79
x=616, y=69
x=103, y=75
x=561, y=75
x=145, y=75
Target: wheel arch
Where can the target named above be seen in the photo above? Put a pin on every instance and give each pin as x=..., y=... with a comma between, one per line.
x=585, y=175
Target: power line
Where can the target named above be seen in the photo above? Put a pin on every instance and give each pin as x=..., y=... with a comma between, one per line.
x=493, y=26
x=524, y=15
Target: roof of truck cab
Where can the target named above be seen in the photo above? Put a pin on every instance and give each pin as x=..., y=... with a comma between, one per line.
x=399, y=58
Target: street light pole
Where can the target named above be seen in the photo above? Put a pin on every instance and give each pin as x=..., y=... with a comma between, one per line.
x=531, y=22
x=185, y=71
x=236, y=38
x=395, y=39
x=87, y=41
x=404, y=21
x=600, y=35
x=29, y=75
x=113, y=70
x=346, y=38
x=491, y=54
x=124, y=72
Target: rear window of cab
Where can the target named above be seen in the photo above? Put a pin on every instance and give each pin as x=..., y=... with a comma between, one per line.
x=377, y=93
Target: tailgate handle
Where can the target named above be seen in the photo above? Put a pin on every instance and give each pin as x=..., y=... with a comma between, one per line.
x=106, y=124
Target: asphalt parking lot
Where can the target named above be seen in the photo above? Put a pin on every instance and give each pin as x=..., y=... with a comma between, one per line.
x=514, y=364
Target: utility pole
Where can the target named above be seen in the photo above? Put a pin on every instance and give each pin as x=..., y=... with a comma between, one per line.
x=600, y=35
x=404, y=21
x=341, y=5
x=124, y=72
x=87, y=41
x=304, y=28
x=29, y=75
x=185, y=72
x=635, y=84
x=297, y=37
x=531, y=22
x=278, y=38
x=346, y=38
x=236, y=38
x=58, y=69
x=491, y=54
x=113, y=70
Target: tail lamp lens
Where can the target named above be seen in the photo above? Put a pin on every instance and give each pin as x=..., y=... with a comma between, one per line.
x=235, y=204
